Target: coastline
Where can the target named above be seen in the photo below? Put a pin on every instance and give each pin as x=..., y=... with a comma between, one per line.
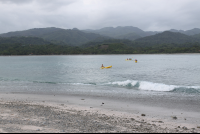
x=20, y=112
x=103, y=54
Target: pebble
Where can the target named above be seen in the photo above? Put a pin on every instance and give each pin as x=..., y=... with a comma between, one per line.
x=72, y=121
x=174, y=117
x=185, y=128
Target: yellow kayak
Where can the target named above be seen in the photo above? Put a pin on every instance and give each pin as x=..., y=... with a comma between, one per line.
x=106, y=67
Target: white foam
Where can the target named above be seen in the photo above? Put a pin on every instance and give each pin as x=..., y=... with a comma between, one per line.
x=124, y=83
x=195, y=87
x=80, y=84
x=144, y=85
x=156, y=86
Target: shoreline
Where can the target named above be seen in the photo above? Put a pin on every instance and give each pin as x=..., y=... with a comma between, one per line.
x=66, y=113
x=101, y=54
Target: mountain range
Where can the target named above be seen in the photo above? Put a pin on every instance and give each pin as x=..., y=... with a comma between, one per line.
x=76, y=37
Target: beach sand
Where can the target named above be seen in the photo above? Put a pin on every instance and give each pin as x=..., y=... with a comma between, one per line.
x=42, y=113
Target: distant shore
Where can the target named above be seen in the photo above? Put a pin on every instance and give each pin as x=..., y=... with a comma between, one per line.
x=56, y=113
x=101, y=54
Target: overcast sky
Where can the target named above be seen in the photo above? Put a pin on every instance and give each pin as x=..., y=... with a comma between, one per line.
x=148, y=15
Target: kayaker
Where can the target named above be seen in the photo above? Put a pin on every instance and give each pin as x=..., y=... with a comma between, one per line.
x=102, y=65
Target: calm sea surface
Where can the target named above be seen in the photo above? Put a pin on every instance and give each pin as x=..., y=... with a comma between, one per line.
x=167, y=74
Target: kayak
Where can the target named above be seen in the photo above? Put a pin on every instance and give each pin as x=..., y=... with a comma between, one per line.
x=106, y=67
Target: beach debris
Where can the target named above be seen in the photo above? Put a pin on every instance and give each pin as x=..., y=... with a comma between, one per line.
x=132, y=119
x=158, y=121
x=185, y=128
x=174, y=117
x=143, y=114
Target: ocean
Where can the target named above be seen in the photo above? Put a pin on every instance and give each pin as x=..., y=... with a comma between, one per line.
x=171, y=75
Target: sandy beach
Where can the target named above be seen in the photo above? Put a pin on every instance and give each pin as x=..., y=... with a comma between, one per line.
x=40, y=113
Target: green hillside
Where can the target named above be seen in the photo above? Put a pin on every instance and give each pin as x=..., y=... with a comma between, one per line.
x=75, y=37
x=72, y=37
x=107, y=41
x=166, y=37
x=126, y=32
x=59, y=36
x=193, y=31
x=197, y=36
x=23, y=41
x=36, y=32
x=130, y=36
x=118, y=31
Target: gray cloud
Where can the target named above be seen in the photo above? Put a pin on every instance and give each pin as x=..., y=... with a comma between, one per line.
x=16, y=1
x=154, y=15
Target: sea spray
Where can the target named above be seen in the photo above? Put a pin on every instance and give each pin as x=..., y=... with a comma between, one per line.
x=151, y=86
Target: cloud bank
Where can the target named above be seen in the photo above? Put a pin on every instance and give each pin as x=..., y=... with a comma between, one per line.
x=148, y=15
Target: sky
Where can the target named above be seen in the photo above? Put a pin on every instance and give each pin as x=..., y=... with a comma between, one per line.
x=148, y=15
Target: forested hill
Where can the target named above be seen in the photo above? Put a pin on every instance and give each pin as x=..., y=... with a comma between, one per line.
x=187, y=32
x=122, y=32
x=22, y=41
x=72, y=37
x=196, y=36
x=166, y=37
x=35, y=32
x=76, y=37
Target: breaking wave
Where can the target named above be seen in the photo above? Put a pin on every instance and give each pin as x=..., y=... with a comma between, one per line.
x=150, y=86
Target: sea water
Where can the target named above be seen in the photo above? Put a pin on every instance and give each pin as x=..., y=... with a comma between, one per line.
x=153, y=75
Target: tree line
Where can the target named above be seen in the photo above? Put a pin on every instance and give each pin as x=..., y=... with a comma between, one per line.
x=103, y=48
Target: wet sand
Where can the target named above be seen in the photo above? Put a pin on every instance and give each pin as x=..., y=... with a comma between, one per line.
x=80, y=113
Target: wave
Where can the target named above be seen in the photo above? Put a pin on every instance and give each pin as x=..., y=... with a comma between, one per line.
x=160, y=87
x=45, y=82
x=82, y=83
x=128, y=84
x=42, y=82
x=65, y=83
